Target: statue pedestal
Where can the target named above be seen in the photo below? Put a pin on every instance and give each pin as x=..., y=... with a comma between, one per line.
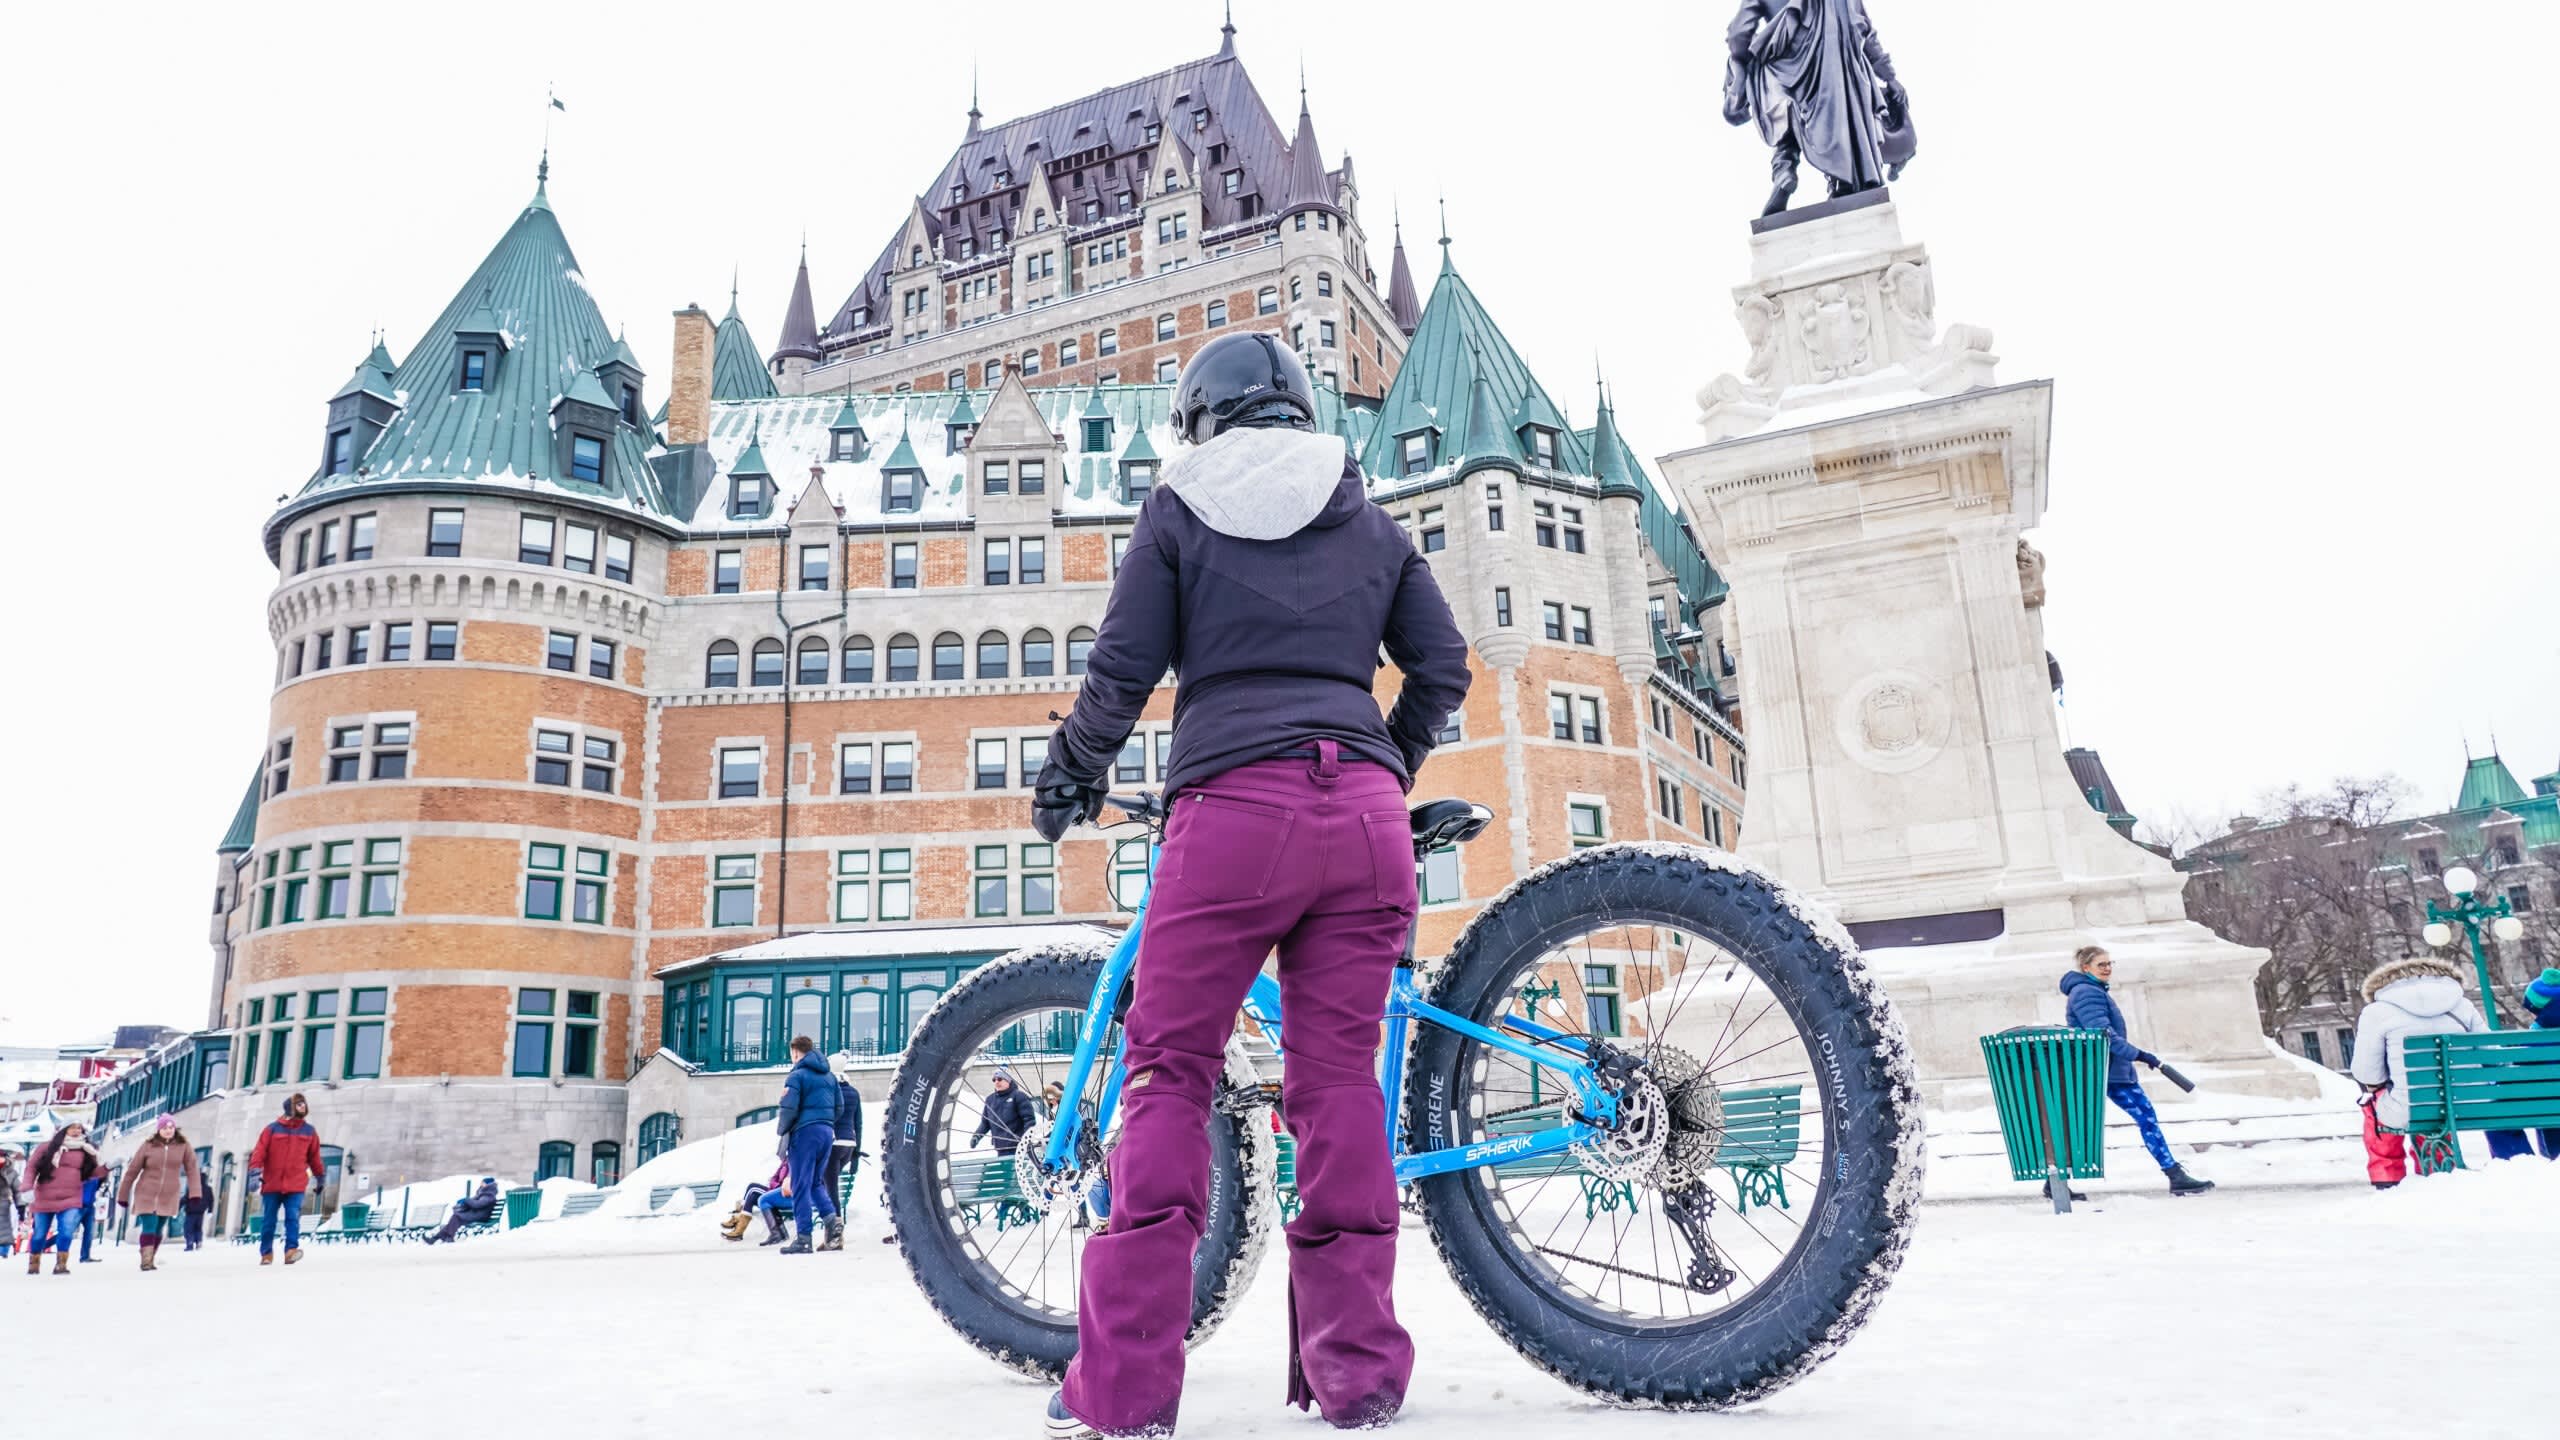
x=1865, y=491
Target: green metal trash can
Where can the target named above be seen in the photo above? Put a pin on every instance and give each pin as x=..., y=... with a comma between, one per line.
x=2050, y=1083
x=524, y=1203
x=352, y=1217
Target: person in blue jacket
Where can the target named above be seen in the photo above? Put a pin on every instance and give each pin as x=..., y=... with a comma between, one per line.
x=808, y=1125
x=2089, y=1007
x=89, y=1214
x=2542, y=997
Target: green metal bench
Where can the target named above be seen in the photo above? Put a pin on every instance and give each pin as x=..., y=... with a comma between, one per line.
x=1284, y=1172
x=704, y=1193
x=585, y=1202
x=2500, y=1080
x=1763, y=1128
x=981, y=1186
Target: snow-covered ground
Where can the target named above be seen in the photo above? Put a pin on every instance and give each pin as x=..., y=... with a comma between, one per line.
x=2269, y=1310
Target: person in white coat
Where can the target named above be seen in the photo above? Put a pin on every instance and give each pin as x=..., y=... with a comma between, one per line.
x=2420, y=995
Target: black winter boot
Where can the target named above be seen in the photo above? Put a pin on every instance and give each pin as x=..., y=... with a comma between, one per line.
x=2182, y=1183
x=799, y=1246
x=835, y=1234
x=775, y=1231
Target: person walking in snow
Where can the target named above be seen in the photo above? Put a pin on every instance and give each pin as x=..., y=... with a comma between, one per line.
x=847, y=1154
x=2089, y=1006
x=12, y=1200
x=808, y=1125
x=478, y=1210
x=287, y=1159
x=1262, y=575
x=1006, y=1115
x=158, y=1182
x=2420, y=995
x=57, y=1173
x=198, y=1201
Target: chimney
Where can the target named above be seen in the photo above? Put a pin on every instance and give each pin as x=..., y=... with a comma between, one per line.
x=689, y=392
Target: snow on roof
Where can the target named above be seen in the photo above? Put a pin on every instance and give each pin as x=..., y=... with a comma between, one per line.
x=793, y=434
x=916, y=940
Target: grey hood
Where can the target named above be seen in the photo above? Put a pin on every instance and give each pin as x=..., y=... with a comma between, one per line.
x=1258, y=484
x=2424, y=996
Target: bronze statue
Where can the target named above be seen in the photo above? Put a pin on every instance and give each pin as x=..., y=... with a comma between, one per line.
x=1813, y=76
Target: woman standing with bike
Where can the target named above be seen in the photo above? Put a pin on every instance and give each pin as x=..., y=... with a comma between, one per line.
x=1260, y=574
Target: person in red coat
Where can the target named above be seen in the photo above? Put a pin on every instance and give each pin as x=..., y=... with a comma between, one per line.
x=287, y=1159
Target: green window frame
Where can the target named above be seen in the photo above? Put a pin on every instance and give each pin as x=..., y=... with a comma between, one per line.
x=1128, y=874
x=276, y=1048
x=991, y=885
x=1600, y=999
x=364, y=1050
x=544, y=866
x=605, y=1169
x=249, y=1060
x=659, y=1134
x=555, y=1160
x=381, y=876
x=762, y=1115
x=529, y=1048
x=733, y=903
x=587, y=892
x=1587, y=823
x=1039, y=880
x=578, y=1042
x=319, y=1051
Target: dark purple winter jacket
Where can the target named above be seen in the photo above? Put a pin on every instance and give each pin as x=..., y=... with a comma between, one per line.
x=1274, y=642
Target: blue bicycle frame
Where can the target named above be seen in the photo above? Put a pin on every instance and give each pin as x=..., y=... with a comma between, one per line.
x=1530, y=1041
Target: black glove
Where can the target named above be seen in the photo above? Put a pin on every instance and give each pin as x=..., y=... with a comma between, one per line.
x=2147, y=1058
x=1060, y=801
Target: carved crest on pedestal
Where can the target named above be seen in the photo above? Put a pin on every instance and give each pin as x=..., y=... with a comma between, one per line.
x=1913, y=297
x=2030, y=574
x=1836, y=332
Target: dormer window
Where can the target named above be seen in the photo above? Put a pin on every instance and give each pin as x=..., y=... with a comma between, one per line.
x=959, y=192
x=968, y=249
x=1003, y=178
x=1155, y=133
x=1413, y=453
x=630, y=404
x=1137, y=480
x=475, y=369
x=342, y=451
x=915, y=255
x=995, y=238
x=746, y=497
x=1040, y=218
x=1235, y=182
x=1097, y=434
x=1200, y=118
x=586, y=458
x=901, y=491
x=845, y=445
x=1540, y=443
x=1172, y=181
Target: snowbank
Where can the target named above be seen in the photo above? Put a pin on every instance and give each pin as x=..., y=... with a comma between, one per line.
x=736, y=1159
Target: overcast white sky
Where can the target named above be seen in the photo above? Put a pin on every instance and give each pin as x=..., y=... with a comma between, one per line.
x=2288, y=265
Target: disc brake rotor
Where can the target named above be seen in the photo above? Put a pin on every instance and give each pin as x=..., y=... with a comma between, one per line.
x=1633, y=1149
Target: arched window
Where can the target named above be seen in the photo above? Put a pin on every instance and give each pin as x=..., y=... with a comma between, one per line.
x=857, y=660
x=1324, y=283
x=1266, y=301
x=659, y=1134
x=1039, y=656
x=902, y=658
x=1079, y=645
x=606, y=1172
x=747, y=1040
x=554, y=1161
x=720, y=670
x=768, y=662
x=950, y=657
x=761, y=1115
x=1297, y=288
x=995, y=656
x=813, y=660
x=1164, y=327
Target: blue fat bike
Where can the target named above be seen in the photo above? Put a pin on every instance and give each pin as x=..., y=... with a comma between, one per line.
x=1658, y=1119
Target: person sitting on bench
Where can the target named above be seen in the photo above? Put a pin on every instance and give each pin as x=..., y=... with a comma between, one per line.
x=478, y=1210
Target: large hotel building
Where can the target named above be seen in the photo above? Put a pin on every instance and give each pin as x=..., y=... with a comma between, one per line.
x=620, y=729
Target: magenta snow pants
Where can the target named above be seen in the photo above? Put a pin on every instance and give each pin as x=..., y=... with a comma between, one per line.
x=1313, y=857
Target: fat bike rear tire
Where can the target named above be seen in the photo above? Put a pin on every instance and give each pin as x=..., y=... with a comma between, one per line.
x=1853, y=1230
x=954, y=1272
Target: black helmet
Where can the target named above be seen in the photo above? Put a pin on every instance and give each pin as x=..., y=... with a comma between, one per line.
x=1239, y=381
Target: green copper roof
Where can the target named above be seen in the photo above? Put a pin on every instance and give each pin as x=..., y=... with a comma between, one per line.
x=1456, y=344
x=737, y=366
x=373, y=373
x=1137, y=448
x=1611, y=465
x=1097, y=408
x=529, y=293
x=750, y=461
x=1663, y=528
x=243, y=834
x=621, y=353
x=1487, y=440
x=848, y=418
x=2486, y=782
x=586, y=389
x=902, y=458
x=961, y=414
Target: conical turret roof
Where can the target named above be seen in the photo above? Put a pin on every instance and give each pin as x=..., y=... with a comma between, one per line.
x=1309, y=188
x=529, y=294
x=1403, y=305
x=737, y=366
x=799, y=320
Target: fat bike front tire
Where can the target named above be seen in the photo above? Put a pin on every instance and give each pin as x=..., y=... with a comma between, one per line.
x=1850, y=1234
x=962, y=1273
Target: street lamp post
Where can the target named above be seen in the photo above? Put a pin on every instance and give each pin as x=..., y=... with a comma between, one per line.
x=2472, y=913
